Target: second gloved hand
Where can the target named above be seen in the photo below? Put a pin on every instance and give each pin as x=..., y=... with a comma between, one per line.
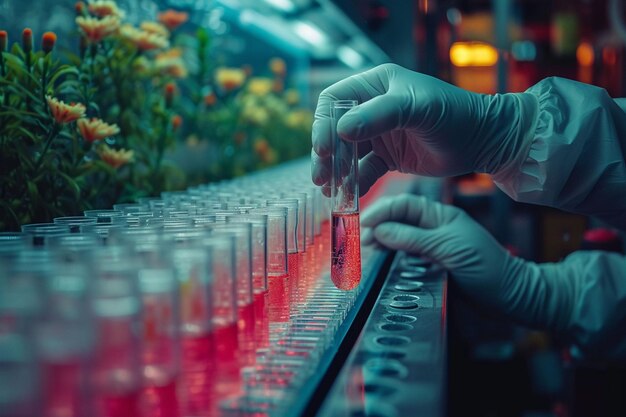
x=411, y=122
x=480, y=266
x=582, y=298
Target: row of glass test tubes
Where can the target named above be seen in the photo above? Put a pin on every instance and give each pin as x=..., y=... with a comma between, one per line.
x=215, y=301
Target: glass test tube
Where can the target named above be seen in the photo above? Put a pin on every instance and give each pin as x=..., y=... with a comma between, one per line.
x=345, y=224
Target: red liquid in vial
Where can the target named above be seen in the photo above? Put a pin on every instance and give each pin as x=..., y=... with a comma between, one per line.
x=246, y=326
x=278, y=298
x=122, y=405
x=197, y=376
x=261, y=316
x=62, y=391
x=227, y=360
x=293, y=266
x=160, y=400
x=197, y=351
x=345, y=263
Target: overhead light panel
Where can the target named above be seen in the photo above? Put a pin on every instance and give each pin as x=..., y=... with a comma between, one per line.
x=350, y=57
x=310, y=33
x=286, y=6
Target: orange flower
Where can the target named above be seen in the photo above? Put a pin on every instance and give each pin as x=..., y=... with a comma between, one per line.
x=97, y=29
x=79, y=8
x=95, y=129
x=278, y=85
x=261, y=146
x=102, y=8
x=47, y=42
x=229, y=78
x=170, y=53
x=173, y=19
x=169, y=92
x=177, y=122
x=174, y=67
x=210, y=99
x=155, y=28
x=64, y=113
x=27, y=40
x=278, y=66
x=247, y=69
x=115, y=158
x=143, y=40
x=4, y=40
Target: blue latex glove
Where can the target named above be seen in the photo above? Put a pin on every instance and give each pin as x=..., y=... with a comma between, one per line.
x=582, y=298
x=415, y=123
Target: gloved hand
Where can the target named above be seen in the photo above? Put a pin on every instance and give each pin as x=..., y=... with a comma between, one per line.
x=582, y=298
x=415, y=123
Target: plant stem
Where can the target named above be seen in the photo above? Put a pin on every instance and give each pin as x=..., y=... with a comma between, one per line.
x=52, y=133
x=44, y=78
x=28, y=63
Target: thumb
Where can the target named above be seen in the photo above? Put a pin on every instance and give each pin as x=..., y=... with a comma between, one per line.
x=371, y=119
x=402, y=237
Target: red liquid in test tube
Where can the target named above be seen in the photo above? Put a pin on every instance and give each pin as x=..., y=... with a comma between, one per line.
x=346, y=251
x=122, y=405
x=261, y=315
x=198, y=375
x=293, y=270
x=247, y=333
x=278, y=299
x=61, y=388
x=227, y=361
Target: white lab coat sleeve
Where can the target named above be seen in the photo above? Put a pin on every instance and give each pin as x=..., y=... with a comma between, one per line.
x=573, y=156
x=596, y=283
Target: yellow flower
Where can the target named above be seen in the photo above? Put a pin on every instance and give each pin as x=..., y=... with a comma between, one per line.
x=278, y=66
x=143, y=40
x=102, y=8
x=142, y=65
x=260, y=86
x=96, y=129
x=174, y=67
x=229, y=78
x=170, y=53
x=155, y=28
x=97, y=29
x=292, y=97
x=255, y=115
x=64, y=113
x=115, y=158
x=298, y=118
x=172, y=19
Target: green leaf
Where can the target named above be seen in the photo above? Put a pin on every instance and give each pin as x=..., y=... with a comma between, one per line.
x=7, y=207
x=73, y=186
x=63, y=71
x=33, y=193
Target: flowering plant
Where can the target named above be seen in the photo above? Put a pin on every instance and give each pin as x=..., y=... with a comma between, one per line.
x=247, y=121
x=103, y=127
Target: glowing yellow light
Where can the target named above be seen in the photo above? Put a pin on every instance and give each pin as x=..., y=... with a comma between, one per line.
x=584, y=54
x=473, y=54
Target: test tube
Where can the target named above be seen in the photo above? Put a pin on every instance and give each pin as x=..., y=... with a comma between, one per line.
x=159, y=336
x=259, y=223
x=278, y=286
x=115, y=368
x=345, y=261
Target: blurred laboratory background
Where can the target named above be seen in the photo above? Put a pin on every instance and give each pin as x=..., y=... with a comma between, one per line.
x=211, y=96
